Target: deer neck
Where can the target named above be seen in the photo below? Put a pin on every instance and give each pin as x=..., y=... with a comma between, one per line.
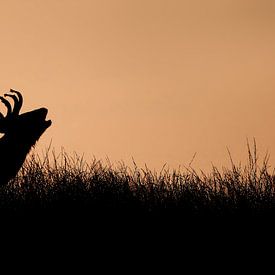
x=13, y=153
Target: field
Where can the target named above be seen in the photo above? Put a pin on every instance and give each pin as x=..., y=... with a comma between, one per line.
x=63, y=185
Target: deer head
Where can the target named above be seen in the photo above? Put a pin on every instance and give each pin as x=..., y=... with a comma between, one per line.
x=21, y=131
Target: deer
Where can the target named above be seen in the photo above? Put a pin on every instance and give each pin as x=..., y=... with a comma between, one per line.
x=20, y=134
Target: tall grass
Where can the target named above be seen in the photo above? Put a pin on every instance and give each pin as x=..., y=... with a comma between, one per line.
x=59, y=183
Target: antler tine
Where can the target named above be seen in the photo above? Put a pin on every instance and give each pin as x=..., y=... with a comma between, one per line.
x=7, y=104
x=15, y=110
x=18, y=102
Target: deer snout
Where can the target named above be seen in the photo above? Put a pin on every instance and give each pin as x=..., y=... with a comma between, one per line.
x=42, y=114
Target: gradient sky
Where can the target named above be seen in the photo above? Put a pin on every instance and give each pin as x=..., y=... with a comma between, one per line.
x=156, y=80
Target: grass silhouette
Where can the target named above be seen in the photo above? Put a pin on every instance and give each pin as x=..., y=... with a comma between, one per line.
x=69, y=186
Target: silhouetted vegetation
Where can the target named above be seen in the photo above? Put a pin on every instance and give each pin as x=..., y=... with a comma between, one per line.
x=69, y=186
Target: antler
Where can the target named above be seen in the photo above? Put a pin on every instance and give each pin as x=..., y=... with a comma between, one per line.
x=8, y=105
x=18, y=102
x=11, y=112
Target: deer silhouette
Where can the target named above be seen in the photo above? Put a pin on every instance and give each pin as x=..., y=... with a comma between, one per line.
x=21, y=132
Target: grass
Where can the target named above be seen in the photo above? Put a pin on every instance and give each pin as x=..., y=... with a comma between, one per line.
x=67, y=185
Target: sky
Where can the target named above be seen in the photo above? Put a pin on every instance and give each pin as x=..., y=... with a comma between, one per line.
x=153, y=80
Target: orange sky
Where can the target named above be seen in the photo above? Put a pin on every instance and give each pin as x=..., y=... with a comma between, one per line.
x=157, y=80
